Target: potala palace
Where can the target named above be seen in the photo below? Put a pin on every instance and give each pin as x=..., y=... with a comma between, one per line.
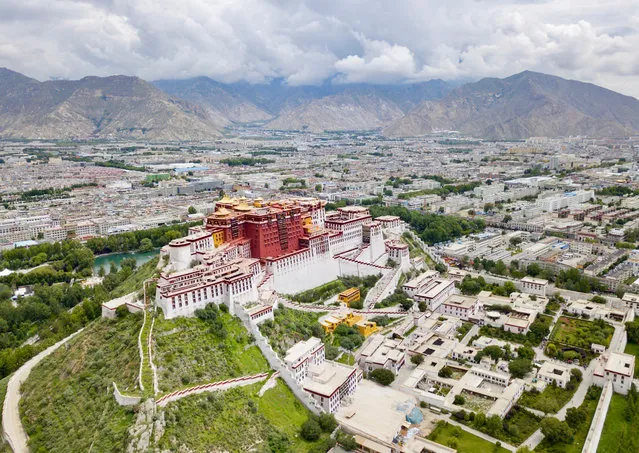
x=286, y=246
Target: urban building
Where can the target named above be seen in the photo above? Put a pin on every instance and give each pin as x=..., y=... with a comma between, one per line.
x=617, y=368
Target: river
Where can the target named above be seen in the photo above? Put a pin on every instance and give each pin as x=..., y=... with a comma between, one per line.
x=106, y=260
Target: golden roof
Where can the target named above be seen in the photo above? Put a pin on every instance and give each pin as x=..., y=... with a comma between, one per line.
x=222, y=212
x=243, y=207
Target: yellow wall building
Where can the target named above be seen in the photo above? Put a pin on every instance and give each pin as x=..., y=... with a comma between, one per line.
x=218, y=238
x=366, y=327
x=349, y=296
x=330, y=323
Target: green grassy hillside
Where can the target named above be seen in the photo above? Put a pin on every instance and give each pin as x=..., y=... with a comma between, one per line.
x=67, y=403
x=237, y=421
x=187, y=352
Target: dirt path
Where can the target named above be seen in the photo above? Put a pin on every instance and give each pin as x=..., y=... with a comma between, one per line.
x=13, y=431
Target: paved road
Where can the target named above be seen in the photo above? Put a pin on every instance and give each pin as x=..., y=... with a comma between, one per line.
x=12, y=428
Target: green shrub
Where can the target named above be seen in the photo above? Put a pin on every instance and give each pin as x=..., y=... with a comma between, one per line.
x=459, y=400
x=311, y=430
x=382, y=376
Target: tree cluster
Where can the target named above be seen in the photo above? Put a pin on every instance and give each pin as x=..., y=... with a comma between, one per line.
x=432, y=228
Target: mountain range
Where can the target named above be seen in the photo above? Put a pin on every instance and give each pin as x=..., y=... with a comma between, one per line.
x=317, y=108
x=524, y=105
x=97, y=107
x=520, y=106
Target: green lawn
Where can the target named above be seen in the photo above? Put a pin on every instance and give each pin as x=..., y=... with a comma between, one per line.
x=237, y=420
x=347, y=359
x=582, y=333
x=590, y=404
x=67, y=402
x=633, y=348
x=187, y=353
x=550, y=400
x=285, y=413
x=618, y=435
x=521, y=425
x=455, y=437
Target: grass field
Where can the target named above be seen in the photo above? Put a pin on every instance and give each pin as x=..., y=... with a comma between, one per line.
x=633, y=348
x=187, y=353
x=347, y=359
x=582, y=333
x=618, y=435
x=549, y=401
x=237, y=420
x=590, y=404
x=455, y=437
x=67, y=402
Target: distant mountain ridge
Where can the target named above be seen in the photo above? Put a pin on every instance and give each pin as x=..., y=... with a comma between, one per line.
x=330, y=106
x=97, y=107
x=524, y=105
x=121, y=107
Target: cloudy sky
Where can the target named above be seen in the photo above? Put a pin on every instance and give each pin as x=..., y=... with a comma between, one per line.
x=308, y=41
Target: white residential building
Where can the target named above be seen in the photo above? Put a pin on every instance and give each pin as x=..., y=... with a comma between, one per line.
x=565, y=200
x=493, y=377
x=617, y=368
x=519, y=321
x=381, y=352
x=302, y=355
x=435, y=292
x=632, y=301
x=531, y=285
x=552, y=373
x=330, y=383
x=463, y=307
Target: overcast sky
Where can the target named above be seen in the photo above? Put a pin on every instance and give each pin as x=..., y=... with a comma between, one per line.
x=306, y=42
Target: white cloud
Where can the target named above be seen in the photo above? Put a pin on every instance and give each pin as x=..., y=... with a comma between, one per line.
x=308, y=41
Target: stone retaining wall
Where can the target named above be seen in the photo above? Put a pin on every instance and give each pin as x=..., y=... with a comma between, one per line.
x=125, y=400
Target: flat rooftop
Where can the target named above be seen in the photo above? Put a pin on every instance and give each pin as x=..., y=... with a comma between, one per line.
x=464, y=302
x=298, y=350
x=376, y=411
x=620, y=363
x=434, y=288
x=327, y=378
x=537, y=281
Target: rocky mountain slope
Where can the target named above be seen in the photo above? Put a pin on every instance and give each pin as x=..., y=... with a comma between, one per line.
x=96, y=107
x=338, y=112
x=330, y=106
x=524, y=105
x=357, y=107
x=226, y=104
